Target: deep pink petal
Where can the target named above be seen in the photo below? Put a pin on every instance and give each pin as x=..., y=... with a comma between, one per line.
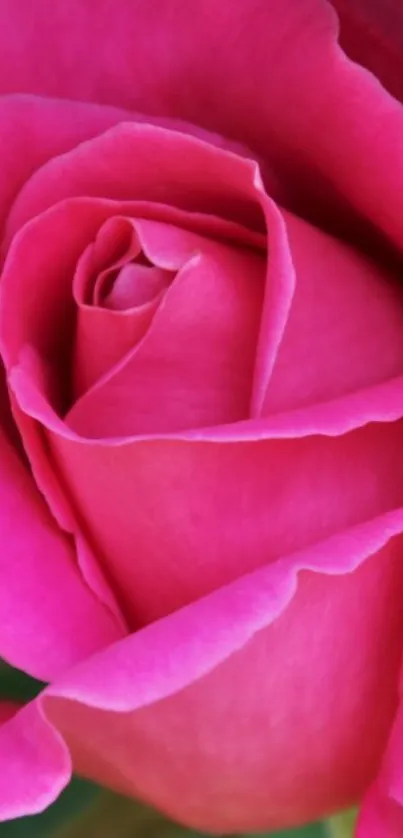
x=381, y=403
x=120, y=165
x=160, y=558
x=195, y=364
x=382, y=813
x=37, y=265
x=7, y=710
x=50, y=326
x=173, y=469
x=345, y=328
x=35, y=764
x=106, y=329
x=35, y=130
x=371, y=32
x=44, y=602
x=115, y=244
x=241, y=762
x=270, y=75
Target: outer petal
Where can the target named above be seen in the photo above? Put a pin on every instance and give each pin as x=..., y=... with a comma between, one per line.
x=244, y=504
x=269, y=74
x=34, y=763
x=382, y=814
x=209, y=714
x=371, y=31
x=382, y=811
x=35, y=130
x=330, y=482
x=120, y=165
x=345, y=328
x=49, y=618
x=7, y=710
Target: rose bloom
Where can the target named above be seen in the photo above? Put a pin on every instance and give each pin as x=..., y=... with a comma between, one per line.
x=201, y=451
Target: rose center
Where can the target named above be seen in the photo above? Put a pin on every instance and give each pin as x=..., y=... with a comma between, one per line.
x=131, y=285
x=117, y=289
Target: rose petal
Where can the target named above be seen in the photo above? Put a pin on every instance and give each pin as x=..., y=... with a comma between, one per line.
x=34, y=131
x=103, y=333
x=371, y=33
x=120, y=165
x=35, y=764
x=115, y=244
x=381, y=815
x=38, y=265
x=279, y=83
x=44, y=602
x=195, y=364
x=329, y=478
x=156, y=714
x=7, y=710
x=381, y=403
x=345, y=328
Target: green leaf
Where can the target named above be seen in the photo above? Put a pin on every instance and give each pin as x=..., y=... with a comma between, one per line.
x=15, y=685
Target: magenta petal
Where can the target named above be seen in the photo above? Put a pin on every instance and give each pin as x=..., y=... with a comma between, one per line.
x=371, y=32
x=35, y=764
x=344, y=332
x=278, y=82
x=8, y=709
x=190, y=710
x=120, y=165
x=131, y=497
x=44, y=602
x=34, y=131
x=382, y=813
x=107, y=329
x=195, y=365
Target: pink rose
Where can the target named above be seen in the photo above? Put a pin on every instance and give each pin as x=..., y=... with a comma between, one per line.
x=201, y=323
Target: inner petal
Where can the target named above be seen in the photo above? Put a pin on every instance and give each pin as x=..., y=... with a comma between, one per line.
x=117, y=290
x=115, y=244
x=194, y=366
x=135, y=284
